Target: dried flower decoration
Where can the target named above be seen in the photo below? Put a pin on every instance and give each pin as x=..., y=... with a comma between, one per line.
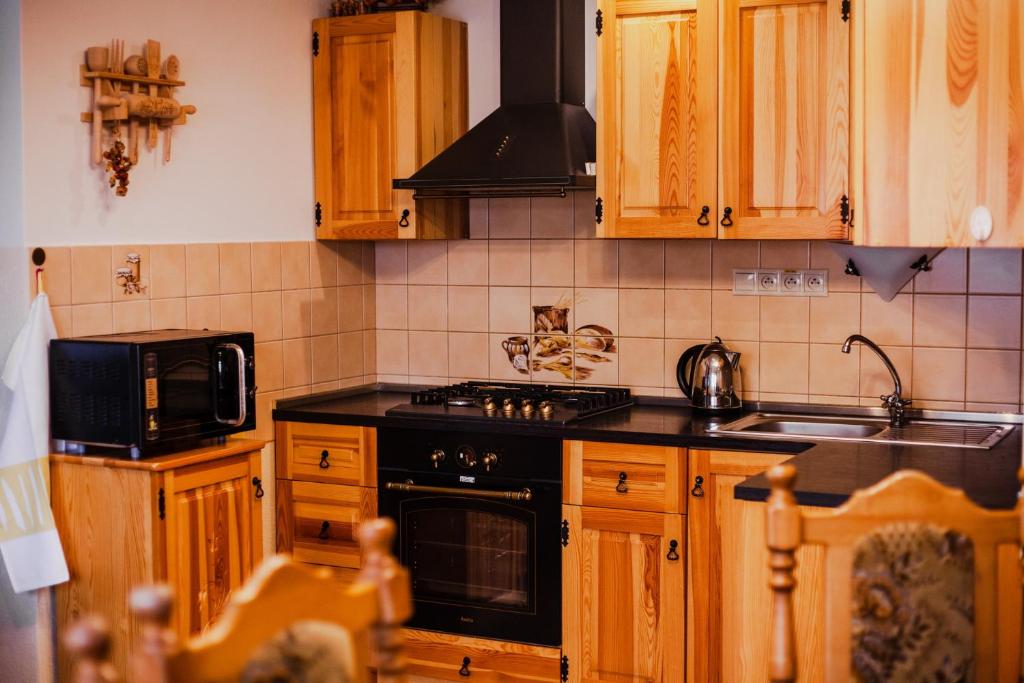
x=118, y=165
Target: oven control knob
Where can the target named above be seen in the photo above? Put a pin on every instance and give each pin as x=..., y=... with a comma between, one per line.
x=489, y=460
x=466, y=456
x=437, y=457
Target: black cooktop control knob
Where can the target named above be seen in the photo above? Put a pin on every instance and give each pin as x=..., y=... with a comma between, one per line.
x=437, y=457
x=490, y=461
x=466, y=456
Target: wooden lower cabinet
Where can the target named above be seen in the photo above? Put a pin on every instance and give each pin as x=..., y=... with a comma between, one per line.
x=443, y=656
x=728, y=600
x=191, y=519
x=623, y=602
x=317, y=522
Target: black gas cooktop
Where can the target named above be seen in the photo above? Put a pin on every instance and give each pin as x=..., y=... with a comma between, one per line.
x=513, y=402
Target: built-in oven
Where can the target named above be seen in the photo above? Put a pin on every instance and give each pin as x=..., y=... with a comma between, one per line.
x=478, y=520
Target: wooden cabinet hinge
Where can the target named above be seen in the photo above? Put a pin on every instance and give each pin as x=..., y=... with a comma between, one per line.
x=318, y=214
x=599, y=210
x=565, y=669
x=844, y=10
x=316, y=43
x=844, y=209
x=565, y=532
x=161, y=504
x=599, y=22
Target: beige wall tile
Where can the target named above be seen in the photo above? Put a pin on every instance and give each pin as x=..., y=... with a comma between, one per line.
x=235, y=268
x=509, y=262
x=428, y=353
x=597, y=263
x=91, y=275
x=236, y=312
x=824, y=257
x=734, y=317
x=467, y=262
x=688, y=264
x=887, y=322
x=585, y=225
x=467, y=309
x=509, y=218
x=119, y=259
x=203, y=312
x=392, y=307
x=167, y=271
x=428, y=262
x=834, y=317
x=63, y=320
x=559, y=297
x=296, y=313
x=785, y=254
x=56, y=275
x=785, y=319
x=131, y=316
x=393, y=352
x=369, y=250
x=939, y=374
x=831, y=373
x=597, y=306
x=642, y=263
x=784, y=367
x=478, y=218
x=993, y=376
x=168, y=314
x=940, y=320
x=370, y=352
x=641, y=362
x=428, y=307
x=350, y=308
x=269, y=366
x=509, y=310
x=467, y=355
x=674, y=349
x=875, y=379
x=295, y=265
x=501, y=364
x=350, y=354
x=590, y=370
x=202, y=269
x=727, y=255
x=750, y=364
x=369, y=306
x=297, y=362
x=551, y=263
x=350, y=263
x=324, y=310
x=266, y=316
x=551, y=217
x=324, y=350
x=323, y=264
x=641, y=312
x=992, y=407
x=995, y=271
x=994, y=322
x=947, y=276
x=266, y=266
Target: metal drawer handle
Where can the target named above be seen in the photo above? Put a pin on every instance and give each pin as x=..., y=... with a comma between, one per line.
x=698, y=487
x=325, y=529
x=408, y=486
x=404, y=220
x=464, y=671
x=258, y=483
x=323, y=459
x=621, y=486
x=703, y=218
x=672, y=554
x=727, y=217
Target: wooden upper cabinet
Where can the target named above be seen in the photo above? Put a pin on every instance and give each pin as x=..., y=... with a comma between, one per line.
x=657, y=118
x=940, y=121
x=389, y=93
x=785, y=133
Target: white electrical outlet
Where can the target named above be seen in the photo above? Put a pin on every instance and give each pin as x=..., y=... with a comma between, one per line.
x=752, y=282
x=815, y=282
x=768, y=281
x=792, y=282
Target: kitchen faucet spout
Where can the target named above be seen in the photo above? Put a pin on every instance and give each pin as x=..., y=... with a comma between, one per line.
x=894, y=402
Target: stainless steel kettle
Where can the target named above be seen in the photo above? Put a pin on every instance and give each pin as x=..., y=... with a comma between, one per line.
x=709, y=375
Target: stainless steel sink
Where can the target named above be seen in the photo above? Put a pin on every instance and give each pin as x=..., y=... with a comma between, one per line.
x=954, y=434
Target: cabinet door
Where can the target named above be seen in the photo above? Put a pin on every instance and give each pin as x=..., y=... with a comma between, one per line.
x=657, y=118
x=317, y=522
x=940, y=121
x=214, y=535
x=785, y=120
x=623, y=595
x=728, y=599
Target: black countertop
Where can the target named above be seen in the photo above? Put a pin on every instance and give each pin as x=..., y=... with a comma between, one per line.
x=828, y=472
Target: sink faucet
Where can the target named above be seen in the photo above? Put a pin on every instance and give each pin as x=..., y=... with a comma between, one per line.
x=894, y=402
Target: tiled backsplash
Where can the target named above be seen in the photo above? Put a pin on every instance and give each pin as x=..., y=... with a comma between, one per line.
x=310, y=305
x=622, y=311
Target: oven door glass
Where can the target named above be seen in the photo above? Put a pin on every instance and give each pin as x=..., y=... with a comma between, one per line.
x=470, y=552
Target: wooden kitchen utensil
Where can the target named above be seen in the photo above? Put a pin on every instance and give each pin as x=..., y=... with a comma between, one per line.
x=152, y=71
x=173, y=71
x=97, y=59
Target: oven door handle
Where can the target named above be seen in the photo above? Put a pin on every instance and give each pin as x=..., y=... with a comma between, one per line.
x=524, y=494
x=242, y=389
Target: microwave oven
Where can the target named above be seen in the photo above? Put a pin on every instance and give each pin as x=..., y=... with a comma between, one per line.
x=151, y=392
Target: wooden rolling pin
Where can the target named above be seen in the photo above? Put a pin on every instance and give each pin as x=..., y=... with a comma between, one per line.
x=149, y=107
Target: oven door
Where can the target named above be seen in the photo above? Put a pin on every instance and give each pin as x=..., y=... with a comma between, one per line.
x=480, y=566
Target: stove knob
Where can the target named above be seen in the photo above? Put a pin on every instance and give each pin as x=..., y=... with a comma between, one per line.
x=546, y=409
x=437, y=457
x=489, y=405
x=489, y=460
x=508, y=407
x=466, y=456
x=527, y=407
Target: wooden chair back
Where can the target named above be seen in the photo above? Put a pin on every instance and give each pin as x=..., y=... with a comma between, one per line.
x=280, y=594
x=901, y=560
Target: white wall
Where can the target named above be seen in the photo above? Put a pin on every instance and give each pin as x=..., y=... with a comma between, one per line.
x=241, y=170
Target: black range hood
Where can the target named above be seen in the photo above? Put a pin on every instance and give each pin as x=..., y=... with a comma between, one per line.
x=538, y=142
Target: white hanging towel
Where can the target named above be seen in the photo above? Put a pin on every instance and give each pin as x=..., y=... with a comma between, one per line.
x=28, y=536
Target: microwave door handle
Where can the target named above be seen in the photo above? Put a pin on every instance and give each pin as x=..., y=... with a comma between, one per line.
x=242, y=389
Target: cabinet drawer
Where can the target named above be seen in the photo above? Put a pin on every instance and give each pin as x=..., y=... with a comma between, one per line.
x=317, y=522
x=625, y=476
x=441, y=655
x=335, y=454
